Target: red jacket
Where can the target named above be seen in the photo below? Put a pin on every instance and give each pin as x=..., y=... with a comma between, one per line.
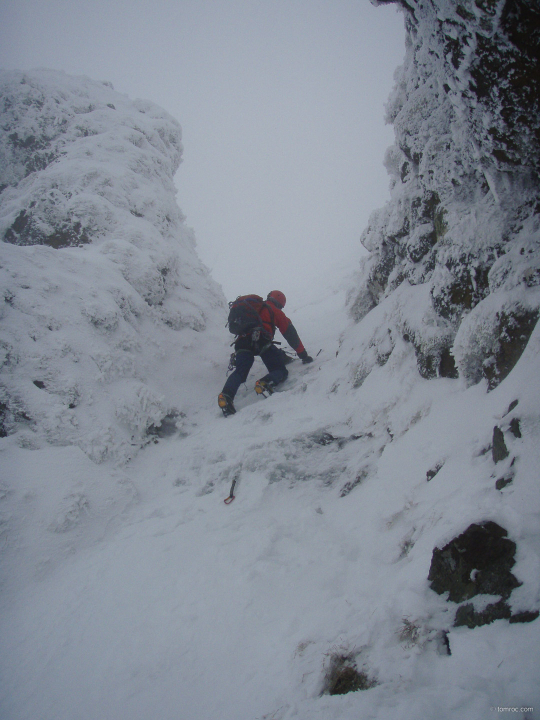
x=273, y=318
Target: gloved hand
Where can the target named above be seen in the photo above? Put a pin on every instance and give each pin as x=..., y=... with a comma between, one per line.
x=304, y=357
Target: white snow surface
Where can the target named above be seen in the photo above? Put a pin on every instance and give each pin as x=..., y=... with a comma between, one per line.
x=131, y=591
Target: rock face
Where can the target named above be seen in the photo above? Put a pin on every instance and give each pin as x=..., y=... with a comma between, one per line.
x=478, y=562
x=462, y=229
x=100, y=278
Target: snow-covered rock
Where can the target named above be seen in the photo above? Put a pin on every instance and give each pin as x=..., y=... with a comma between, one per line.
x=103, y=291
x=462, y=228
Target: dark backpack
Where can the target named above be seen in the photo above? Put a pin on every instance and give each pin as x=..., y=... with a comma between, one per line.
x=244, y=314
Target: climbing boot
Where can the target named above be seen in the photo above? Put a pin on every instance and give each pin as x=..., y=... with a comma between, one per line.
x=264, y=387
x=226, y=404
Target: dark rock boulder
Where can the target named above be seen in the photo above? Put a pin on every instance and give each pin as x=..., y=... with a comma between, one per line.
x=513, y=333
x=477, y=562
x=498, y=448
x=468, y=616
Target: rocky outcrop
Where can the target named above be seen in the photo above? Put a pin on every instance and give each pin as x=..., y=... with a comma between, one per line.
x=78, y=159
x=100, y=278
x=463, y=222
x=478, y=562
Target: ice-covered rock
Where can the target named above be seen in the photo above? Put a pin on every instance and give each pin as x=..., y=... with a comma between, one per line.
x=463, y=222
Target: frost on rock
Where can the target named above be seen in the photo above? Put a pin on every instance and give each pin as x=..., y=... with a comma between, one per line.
x=100, y=279
x=79, y=159
x=463, y=221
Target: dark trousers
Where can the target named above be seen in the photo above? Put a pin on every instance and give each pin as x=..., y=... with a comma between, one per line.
x=272, y=357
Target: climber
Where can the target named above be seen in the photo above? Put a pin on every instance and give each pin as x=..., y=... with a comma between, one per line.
x=254, y=322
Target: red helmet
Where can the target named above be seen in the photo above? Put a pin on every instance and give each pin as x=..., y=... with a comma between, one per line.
x=278, y=298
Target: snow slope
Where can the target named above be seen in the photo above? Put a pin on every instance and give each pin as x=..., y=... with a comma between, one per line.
x=130, y=590
x=178, y=606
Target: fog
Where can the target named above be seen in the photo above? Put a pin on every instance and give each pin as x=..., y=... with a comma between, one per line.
x=281, y=103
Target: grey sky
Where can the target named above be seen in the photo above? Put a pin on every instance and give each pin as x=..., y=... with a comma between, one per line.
x=281, y=105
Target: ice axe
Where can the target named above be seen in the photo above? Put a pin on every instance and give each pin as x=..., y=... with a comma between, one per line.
x=228, y=500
